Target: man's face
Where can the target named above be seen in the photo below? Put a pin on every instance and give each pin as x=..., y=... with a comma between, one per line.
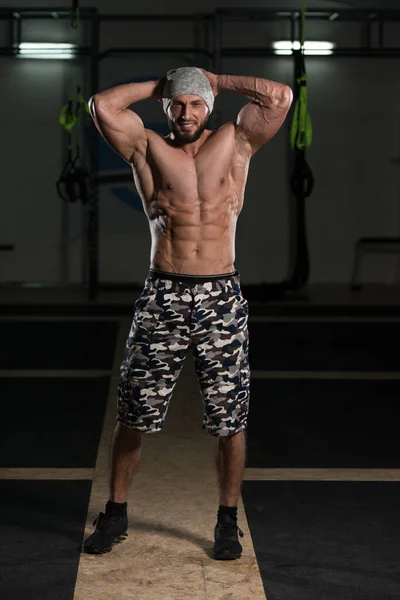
x=187, y=118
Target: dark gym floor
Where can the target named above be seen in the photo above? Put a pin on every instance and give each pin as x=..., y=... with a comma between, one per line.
x=320, y=496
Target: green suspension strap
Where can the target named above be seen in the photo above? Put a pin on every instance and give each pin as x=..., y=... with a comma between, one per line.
x=301, y=130
x=74, y=182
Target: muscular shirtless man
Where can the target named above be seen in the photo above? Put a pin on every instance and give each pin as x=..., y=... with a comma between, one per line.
x=192, y=186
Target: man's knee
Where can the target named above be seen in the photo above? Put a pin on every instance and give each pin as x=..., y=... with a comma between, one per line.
x=223, y=433
x=126, y=432
x=137, y=428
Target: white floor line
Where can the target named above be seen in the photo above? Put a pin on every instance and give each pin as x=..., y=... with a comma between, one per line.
x=258, y=474
x=54, y=373
x=59, y=318
x=321, y=319
x=363, y=375
x=45, y=473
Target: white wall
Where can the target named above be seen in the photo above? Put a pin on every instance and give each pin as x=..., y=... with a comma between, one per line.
x=354, y=108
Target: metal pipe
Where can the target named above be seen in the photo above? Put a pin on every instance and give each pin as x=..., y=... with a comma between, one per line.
x=197, y=34
x=216, y=117
x=293, y=28
x=65, y=207
x=247, y=52
x=255, y=52
x=217, y=43
x=19, y=32
x=93, y=208
x=11, y=32
x=138, y=50
x=291, y=163
x=243, y=14
x=43, y=13
x=347, y=52
x=156, y=17
x=367, y=34
x=261, y=14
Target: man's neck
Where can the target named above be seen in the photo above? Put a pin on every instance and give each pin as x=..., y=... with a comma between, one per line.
x=192, y=148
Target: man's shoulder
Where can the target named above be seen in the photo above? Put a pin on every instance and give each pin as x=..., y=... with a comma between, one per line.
x=228, y=126
x=228, y=134
x=224, y=132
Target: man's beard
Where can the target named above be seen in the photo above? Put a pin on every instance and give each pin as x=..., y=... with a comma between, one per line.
x=187, y=137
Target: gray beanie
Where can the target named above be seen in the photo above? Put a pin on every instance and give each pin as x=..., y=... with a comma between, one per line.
x=187, y=80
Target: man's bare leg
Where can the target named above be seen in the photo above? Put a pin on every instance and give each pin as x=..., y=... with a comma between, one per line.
x=112, y=525
x=230, y=463
x=126, y=451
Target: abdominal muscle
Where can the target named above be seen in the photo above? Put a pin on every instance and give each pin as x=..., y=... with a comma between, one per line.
x=194, y=242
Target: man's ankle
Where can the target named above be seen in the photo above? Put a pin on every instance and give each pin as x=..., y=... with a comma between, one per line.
x=227, y=510
x=116, y=507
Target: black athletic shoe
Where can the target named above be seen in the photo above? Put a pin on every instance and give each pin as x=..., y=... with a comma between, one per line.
x=112, y=528
x=227, y=545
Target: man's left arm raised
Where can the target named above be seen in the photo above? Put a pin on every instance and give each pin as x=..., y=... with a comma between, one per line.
x=259, y=120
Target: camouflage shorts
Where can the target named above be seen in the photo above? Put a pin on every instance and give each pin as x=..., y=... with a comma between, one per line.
x=174, y=314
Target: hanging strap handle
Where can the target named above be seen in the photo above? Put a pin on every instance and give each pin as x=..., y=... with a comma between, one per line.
x=301, y=130
x=75, y=14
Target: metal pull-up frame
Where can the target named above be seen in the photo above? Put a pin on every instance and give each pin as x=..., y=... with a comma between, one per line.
x=371, y=25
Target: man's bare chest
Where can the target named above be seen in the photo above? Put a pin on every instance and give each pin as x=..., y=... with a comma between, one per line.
x=213, y=171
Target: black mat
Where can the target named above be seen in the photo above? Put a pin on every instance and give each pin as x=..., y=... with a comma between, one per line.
x=323, y=423
x=51, y=422
x=41, y=533
x=326, y=540
x=325, y=346
x=57, y=345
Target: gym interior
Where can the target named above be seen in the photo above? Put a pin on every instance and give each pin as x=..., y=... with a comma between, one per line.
x=317, y=248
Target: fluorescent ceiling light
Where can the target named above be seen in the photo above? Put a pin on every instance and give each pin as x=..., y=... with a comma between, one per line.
x=48, y=55
x=284, y=47
x=45, y=46
x=318, y=52
x=46, y=50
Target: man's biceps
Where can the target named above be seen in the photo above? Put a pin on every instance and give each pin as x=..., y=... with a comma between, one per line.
x=249, y=127
x=117, y=140
x=249, y=117
x=119, y=122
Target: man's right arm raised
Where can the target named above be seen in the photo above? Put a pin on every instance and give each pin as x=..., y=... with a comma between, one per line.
x=122, y=128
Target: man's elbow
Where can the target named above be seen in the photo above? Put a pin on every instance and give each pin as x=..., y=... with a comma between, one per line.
x=97, y=104
x=92, y=106
x=286, y=97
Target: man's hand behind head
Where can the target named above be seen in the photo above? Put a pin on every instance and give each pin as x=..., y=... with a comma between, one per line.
x=158, y=90
x=213, y=79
